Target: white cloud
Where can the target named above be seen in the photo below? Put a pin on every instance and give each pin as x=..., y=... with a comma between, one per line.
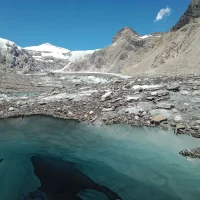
x=162, y=13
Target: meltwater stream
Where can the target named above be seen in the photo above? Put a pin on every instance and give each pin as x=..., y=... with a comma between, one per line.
x=58, y=159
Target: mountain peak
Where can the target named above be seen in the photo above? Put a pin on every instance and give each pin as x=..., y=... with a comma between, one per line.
x=126, y=33
x=192, y=12
x=47, y=47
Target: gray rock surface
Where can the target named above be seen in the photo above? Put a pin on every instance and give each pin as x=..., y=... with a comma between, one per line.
x=190, y=15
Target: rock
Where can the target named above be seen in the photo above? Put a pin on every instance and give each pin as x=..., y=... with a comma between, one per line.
x=165, y=106
x=115, y=100
x=195, y=127
x=174, y=87
x=140, y=89
x=164, y=112
x=197, y=122
x=55, y=93
x=154, y=93
x=150, y=98
x=194, y=88
x=158, y=119
x=42, y=103
x=175, y=111
x=165, y=93
x=180, y=126
x=108, y=109
x=178, y=118
x=132, y=110
x=58, y=109
x=106, y=96
x=186, y=152
x=131, y=98
x=184, y=92
x=11, y=109
x=128, y=86
x=136, y=117
x=172, y=124
x=192, y=153
x=197, y=93
x=91, y=112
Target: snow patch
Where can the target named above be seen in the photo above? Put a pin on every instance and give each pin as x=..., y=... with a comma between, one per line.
x=145, y=36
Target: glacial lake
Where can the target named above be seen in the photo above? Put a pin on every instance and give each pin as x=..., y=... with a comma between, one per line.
x=64, y=159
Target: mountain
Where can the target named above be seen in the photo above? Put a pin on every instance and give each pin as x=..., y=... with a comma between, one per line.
x=14, y=57
x=191, y=15
x=37, y=58
x=126, y=49
x=49, y=56
x=175, y=52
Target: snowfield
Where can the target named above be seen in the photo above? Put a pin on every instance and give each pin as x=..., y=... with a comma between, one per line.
x=49, y=50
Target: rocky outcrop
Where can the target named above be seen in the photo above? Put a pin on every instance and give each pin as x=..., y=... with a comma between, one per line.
x=190, y=15
x=126, y=32
x=14, y=57
x=192, y=153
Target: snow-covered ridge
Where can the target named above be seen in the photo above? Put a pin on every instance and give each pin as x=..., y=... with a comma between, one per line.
x=49, y=50
x=4, y=44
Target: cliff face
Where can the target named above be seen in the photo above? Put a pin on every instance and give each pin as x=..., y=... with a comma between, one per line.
x=190, y=16
x=14, y=57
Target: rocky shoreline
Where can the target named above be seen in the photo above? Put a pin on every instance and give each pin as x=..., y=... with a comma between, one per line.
x=162, y=101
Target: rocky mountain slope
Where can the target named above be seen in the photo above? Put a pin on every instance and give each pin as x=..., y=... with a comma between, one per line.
x=174, y=52
x=14, y=57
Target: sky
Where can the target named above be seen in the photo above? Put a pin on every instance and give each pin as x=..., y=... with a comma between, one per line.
x=84, y=24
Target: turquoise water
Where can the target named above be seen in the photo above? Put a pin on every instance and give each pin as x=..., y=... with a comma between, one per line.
x=135, y=163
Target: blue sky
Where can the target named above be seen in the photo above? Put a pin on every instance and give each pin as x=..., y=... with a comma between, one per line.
x=82, y=24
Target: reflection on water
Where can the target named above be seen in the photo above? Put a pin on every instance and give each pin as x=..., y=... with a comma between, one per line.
x=61, y=158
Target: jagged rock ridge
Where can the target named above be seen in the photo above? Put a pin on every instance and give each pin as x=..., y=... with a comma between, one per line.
x=190, y=15
x=14, y=57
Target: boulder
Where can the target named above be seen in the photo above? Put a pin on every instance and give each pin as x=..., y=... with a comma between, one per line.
x=165, y=106
x=180, y=126
x=132, y=98
x=158, y=119
x=11, y=109
x=108, y=109
x=178, y=118
x=106, y=96
x=150, y=98
x=174, y=87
